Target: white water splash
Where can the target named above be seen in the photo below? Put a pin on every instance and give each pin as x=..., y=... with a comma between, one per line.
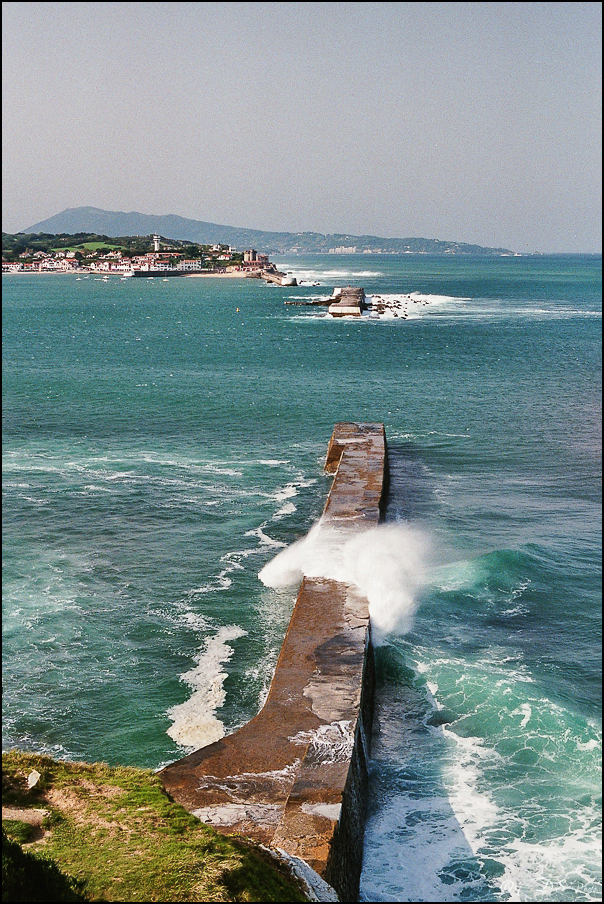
x=387, y=564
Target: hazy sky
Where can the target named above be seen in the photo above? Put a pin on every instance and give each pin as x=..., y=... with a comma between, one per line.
x=472, y=122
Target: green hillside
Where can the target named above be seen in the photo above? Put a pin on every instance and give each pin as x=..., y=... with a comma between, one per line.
x=107, y=222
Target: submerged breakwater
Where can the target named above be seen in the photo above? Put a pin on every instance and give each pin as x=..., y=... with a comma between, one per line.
x=295, y=777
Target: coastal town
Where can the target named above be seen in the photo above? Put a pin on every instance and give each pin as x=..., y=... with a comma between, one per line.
x=153, y=256
x=163, y=259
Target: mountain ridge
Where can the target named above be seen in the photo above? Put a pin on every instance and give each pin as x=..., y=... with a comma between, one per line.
x=109, y=222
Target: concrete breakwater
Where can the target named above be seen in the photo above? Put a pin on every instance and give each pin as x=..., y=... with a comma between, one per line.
x=271, y=275
x=295, y=777
x=349, y=301
x=278, y=278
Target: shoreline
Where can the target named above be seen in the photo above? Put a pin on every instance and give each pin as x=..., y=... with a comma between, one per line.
x=274, y=277
x=122, y=274
x=105, y=275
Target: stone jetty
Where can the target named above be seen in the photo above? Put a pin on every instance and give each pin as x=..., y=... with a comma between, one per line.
x=348, y=302
x=278, y=278
x=295, y=777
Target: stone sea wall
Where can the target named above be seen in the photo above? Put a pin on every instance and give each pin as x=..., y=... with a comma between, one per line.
x=295, y=777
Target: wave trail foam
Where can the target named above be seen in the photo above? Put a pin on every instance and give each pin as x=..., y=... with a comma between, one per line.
x=387, y=564
x=194, y=722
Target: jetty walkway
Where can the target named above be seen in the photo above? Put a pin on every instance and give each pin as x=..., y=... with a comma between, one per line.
x=295, y=776
x=278, y=278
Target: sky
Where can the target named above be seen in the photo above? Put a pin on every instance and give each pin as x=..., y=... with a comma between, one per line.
x=468, y=122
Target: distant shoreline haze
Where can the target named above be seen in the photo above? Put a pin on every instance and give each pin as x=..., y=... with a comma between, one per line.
x=110, y=222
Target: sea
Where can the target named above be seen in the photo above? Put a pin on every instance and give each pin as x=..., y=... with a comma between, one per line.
x=164, y=440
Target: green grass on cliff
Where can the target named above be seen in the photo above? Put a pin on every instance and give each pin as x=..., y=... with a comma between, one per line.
x=113, y=834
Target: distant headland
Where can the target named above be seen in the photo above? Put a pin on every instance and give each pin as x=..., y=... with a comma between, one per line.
x=107, y=222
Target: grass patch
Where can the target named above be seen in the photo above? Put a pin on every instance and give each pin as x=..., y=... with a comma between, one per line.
x=27, y=877
x=115, y=833
x=90, y=246
x=17, y=830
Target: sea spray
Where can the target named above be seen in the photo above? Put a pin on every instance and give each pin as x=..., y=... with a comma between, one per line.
x=388, y=564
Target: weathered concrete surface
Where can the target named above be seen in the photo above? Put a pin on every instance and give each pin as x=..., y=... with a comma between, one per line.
x=348, y=302
x=295, y=777
x=279, y=278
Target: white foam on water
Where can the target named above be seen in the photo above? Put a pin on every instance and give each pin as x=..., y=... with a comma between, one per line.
x=389, y=306
x=418, y=297
x=445, y=843
x=415, y=841
x=194, y=620
x=288, y=509
x=221, y=582
x=232, y=561
x=264, y=539
x=589, y=745
x=407, y=306
x=195, y=723
x=545, y=313
x=228, y=472
x=342, y=273
x=474, y=810
x=412, y=305
x=286, y=492
x=387, y=564
x=525, y=709
x=554, y=870
x=475, y=827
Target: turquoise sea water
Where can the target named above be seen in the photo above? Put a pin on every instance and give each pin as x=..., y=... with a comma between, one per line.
x=164, y=440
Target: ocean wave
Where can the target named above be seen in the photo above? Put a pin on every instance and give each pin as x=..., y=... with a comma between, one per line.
x=312, y=275
x=386, y=563
x=497, y=799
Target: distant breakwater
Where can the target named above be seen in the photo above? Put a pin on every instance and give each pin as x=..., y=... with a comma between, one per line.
x=295, y=777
